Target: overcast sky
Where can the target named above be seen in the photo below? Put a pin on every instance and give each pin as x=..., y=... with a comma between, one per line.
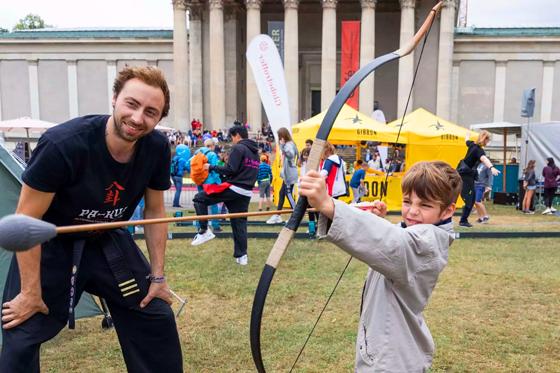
x=159, y=13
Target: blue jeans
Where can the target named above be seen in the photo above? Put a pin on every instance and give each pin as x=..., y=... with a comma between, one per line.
x=214, y=210
x=178, y=182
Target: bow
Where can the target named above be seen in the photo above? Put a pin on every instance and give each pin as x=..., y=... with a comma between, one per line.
x=288, y=231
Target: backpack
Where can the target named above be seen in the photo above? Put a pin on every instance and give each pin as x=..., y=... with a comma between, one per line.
x=175, y=166
x=198, y=173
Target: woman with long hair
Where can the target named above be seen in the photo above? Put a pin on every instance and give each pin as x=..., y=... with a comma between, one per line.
x=468, y=170
x=551, y=175
x=289, y=172
x=530, y=185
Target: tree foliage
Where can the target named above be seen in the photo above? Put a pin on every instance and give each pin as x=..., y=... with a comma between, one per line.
x=30, y=22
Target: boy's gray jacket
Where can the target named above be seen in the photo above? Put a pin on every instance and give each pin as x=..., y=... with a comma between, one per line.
x=289, y=171
x=404, y=267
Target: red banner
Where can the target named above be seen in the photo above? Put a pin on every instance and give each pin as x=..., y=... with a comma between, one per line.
x=350, y=59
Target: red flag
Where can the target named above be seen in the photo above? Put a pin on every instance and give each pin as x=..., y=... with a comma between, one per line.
x=350, y=61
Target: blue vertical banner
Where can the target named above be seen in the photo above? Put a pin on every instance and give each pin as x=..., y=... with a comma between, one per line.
x=276, y=33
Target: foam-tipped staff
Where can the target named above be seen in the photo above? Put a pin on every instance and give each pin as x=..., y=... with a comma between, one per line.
x=21, y=232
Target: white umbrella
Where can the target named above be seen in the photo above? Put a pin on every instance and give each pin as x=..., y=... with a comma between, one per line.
x=28, y=124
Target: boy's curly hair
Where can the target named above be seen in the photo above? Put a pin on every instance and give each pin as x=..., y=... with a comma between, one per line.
x=433, y=181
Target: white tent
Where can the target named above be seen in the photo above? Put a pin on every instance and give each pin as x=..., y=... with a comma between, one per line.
x=540, y=141
x=27, y=124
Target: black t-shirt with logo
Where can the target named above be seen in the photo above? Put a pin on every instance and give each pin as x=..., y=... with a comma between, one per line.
x=90, y=186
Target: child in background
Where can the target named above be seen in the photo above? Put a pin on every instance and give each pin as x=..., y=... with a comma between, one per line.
x=332, y=169
x=357, y=181
x=405, y=261
x=264, y=179
x=482, y=185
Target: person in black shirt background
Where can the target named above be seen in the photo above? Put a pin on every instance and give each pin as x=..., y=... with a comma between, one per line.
x=95, y=169
x=467, y=169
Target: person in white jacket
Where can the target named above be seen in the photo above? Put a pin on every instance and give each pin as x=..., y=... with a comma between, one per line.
x=405, y=261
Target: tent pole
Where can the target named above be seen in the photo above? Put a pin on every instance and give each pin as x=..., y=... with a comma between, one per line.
x=504, y=180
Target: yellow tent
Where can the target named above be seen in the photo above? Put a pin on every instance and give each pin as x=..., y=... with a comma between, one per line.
x=350, y=127
x=426, y=136
x=429, y=137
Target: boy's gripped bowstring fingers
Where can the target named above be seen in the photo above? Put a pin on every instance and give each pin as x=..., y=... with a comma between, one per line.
x=405, y=261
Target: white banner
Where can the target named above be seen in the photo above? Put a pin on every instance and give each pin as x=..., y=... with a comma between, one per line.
x=268, y=72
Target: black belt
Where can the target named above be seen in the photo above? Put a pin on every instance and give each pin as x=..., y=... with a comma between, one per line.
x=112, y=245
x=77, y=252
x=119, y=266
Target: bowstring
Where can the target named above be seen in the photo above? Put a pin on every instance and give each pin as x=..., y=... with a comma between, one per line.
x=386, y=180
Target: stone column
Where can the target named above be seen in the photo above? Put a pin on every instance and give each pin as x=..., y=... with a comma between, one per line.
x=367, y=54
x=445, y=59
x=291, y=56
x=547, y=91
x=180, y=100
x=111, y=75
x=455, y=93
x=72, y=74
x=328, y=54
x=406, y=64
x=231, y=63
x=500, y=91
x=32, y=67
x=217, y=78
x=195, y=54
x=254, y=112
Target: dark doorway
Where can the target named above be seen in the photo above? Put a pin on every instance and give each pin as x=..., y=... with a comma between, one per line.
x=315, y=102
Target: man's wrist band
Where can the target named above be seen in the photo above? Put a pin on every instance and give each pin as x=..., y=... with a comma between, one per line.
x=156, y=279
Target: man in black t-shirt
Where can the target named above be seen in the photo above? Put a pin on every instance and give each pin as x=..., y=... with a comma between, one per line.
x=95, y=169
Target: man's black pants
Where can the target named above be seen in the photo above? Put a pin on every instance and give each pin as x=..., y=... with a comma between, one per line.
x=234, y=202
x=148, y=336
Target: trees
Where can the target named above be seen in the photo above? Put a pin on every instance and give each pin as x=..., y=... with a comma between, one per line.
x=30, y=22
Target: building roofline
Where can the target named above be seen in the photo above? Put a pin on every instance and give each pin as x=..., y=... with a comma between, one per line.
x=507, y=31
x=90, y=33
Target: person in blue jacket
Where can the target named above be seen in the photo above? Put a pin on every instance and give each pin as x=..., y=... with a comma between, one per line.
x=213, y=178
x=178, y=168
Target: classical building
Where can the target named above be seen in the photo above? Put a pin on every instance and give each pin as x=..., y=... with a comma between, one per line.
x=466, y=75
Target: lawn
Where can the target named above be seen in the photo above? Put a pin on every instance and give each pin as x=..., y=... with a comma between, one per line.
x=496, y=307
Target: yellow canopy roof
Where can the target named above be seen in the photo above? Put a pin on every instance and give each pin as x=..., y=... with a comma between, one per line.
x=350, y=127
x=423, y=127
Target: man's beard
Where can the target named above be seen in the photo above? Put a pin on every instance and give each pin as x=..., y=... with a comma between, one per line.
x=121, y=133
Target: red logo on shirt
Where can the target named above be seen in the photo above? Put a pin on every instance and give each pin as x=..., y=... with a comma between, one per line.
x=113, y=192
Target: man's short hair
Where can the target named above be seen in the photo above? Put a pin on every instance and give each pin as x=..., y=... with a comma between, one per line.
x=309, y=141
x=359, y=162
x=433, y=181
x=209, y=142
x=239, y=130
x=150, y=75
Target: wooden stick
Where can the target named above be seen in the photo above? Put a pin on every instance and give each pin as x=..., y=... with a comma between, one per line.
x=120, y=224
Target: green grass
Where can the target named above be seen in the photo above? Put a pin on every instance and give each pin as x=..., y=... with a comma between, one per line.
x=496, y=308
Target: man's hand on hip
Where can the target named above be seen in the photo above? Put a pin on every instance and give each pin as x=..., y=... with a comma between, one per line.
x=157, y=290
x=21, y=308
